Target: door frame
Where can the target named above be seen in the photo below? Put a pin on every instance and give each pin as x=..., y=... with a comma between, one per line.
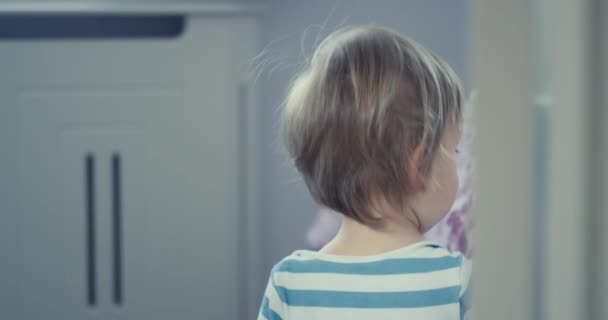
x=532, y=205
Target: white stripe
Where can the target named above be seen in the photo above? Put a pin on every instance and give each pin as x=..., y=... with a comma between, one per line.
x=445, y=312
x=369, y=283
x=274, y=301
x=420, y=252
x=465, y=275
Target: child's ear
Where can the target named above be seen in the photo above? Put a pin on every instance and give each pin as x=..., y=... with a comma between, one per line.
x=413, y=169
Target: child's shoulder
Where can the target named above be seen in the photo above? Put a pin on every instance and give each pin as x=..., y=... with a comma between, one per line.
x=417, y=258
x=416, y=268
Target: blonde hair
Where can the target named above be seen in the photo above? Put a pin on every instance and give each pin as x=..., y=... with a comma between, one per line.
x=353, y=117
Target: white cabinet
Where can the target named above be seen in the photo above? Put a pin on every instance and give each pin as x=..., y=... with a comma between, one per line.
x=125, y=189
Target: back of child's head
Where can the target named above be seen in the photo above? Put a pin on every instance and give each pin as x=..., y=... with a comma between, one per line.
x=354, y=117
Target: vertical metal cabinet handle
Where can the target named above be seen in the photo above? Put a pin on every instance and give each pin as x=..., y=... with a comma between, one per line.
x=91, y=276
x=91, y=255
x=117, y=292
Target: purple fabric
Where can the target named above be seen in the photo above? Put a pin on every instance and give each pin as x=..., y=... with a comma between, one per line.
x=453, y=231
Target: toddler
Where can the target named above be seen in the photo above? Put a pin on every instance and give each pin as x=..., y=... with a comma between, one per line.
x=372, y=125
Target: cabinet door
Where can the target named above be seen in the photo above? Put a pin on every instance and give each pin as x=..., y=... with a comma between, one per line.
x=58, y=253
x=92, y=252
x=146, y=131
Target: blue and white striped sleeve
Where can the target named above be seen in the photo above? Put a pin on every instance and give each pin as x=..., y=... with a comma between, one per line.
x=466, y=291
x=273, y=307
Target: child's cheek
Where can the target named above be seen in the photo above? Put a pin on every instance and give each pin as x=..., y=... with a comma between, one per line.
x=449, y=178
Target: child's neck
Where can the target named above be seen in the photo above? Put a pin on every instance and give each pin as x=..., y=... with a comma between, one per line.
x=356, y=239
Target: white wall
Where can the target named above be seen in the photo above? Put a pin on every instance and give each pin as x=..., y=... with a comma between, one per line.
x=501, y=72
x=568, y=203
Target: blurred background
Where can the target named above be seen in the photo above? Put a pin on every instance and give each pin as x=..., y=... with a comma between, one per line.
x=141, y=174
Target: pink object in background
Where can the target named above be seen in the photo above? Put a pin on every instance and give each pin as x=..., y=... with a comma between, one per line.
x=452, y=232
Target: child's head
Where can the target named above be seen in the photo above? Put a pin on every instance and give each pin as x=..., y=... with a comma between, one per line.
x=372, y=122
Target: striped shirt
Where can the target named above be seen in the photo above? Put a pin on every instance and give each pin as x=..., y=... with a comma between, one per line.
x=420, y=281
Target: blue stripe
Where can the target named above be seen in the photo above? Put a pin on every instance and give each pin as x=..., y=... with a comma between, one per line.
x=466, y=301
x=267, y=312
x=384, y=267
x=371, y=300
